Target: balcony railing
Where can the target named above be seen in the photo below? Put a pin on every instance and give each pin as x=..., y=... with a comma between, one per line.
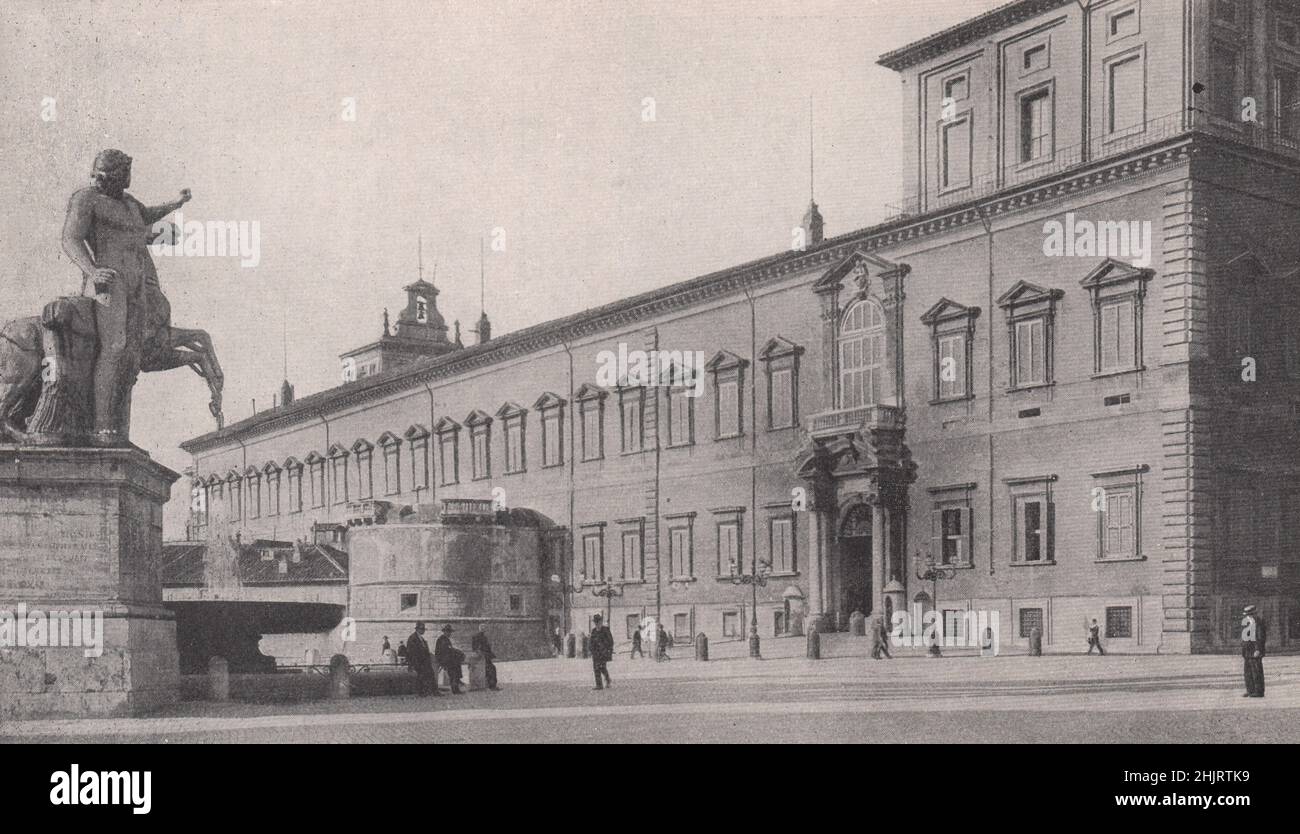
x=1279, y=136
x=858, y=418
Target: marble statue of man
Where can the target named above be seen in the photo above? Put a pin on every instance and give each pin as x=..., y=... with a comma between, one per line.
x=106, y=234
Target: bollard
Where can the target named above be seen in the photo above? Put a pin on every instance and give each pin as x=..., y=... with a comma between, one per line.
x=814, y=644
x=701, y=646
x=570, y=645
x=340, y=677
x=1035, y=642
x=218, y=679
x=475, y=672
x=584, y=645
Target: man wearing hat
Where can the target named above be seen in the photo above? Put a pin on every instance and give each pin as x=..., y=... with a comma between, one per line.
x=449, y=658
x=417, y=657
x=1254, y=634
x=602, y=651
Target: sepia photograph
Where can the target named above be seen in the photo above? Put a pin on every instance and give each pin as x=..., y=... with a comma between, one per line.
x=629, y=372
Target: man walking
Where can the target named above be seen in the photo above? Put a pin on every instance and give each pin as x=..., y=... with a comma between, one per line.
x=636, y=644
x=879, y=638
x=417, y=655
x=602, y=651
x=481, y=645
x=661, y=644
x=1254, y=634
x=449, y=658
x=1094, y=638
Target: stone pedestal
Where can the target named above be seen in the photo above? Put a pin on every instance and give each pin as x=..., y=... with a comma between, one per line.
x=81, y=532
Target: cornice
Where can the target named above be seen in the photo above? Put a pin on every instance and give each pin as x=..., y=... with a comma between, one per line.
x=976, y=28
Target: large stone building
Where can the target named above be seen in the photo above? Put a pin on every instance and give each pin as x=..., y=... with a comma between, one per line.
x=1068, y=370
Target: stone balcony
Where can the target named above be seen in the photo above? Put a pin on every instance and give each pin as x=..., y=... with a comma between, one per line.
x=858, y=419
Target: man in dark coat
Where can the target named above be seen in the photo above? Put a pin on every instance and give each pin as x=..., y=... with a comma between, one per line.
x=1254, y=634
x=636, y=644
x=602, y=651
x=449, y=658
x=418, y=658
x=1094, y=638
x=481, y=645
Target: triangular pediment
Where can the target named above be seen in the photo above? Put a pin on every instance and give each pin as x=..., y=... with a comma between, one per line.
x=291, y=462
x=337, y=451
x=478, y=417
x=1023, y=292
x=1111, y=271
x=860, y=267
x=588, y=391
x=446, y=425
x=548, y=400
x=362, y=445
x=314, y=457
x=779, y=346
x=416, y=431
x=511, y=409
x=945, y=309
x=724, y=360
x=389, y=439
x=271, y=467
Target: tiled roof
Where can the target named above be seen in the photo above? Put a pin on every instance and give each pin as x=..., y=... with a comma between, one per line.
x=183, y=564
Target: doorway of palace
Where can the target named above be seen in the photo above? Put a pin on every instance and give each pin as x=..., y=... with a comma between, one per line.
x=855, y=576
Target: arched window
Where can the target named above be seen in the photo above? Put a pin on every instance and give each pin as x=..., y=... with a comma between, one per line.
x=862, y=354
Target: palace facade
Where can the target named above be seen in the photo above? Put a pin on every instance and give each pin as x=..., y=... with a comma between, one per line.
x=1068, y=372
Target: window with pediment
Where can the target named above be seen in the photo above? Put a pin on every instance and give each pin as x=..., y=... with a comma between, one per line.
x=1031, y=313
x=1118, y=290
x=952, y=345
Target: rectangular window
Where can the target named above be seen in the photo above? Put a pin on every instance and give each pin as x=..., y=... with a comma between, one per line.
x=419, y=463
x=951, y=366
x=780, y=398
x=1123, y=24
x=593, y=557
x=1030, y=619
x=730, y=624
x=1126, y=95
x=407, y=602
x=1119, y=523
x=516, y=604
x=1286, y=100
x=273, y=493
x=682, y=627
x=681, y=417
x=552, y=437
x=448, y=466
x=679, y=552
x=1118, y=336
x=728, y=391
x=957, y=88
x=392, y=469
x=632, y=561
x=1119, y=622
x=1225, y=81
x=1030, y=352
x=365, y=476
x=956, y=150
x=781, y=545
x=592, y=446
x=1033, y=525
x=633, y=623
x=254, y=497
x=340, y=480
x=480, y=453
x=633, y=427
x=514, y=436
x=1034, y=58
x=295, y=490
x=729, y=557
x=1036, y=125
x=955, y=536
x=318, y=484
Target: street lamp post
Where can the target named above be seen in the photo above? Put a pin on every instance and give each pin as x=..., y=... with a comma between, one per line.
x=598, y=588
x=933, y=573
x=756, y=579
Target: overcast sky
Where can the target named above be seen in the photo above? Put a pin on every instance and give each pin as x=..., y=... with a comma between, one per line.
x=469, y=117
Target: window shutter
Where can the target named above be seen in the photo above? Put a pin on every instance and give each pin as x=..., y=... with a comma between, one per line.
x=936, y=534
x=1049, y=549
x=967, y=554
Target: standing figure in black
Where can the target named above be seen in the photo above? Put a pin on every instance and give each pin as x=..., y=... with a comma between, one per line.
x=481, y=645
x=1094, y=638
x=1254, y=634
x=449, y=658
x=417, y=655
x=636, y=644
x=602, y=651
